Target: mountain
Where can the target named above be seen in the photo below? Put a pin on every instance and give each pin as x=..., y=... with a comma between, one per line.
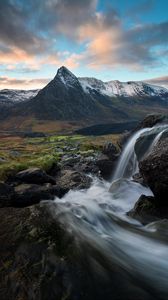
x=89, y=100
x=123, y=89
x=9, y=98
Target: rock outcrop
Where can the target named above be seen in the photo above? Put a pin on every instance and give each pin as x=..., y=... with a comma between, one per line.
x=151, y=120
x=146, y=210
x=35, y=176
x=107, y=160
x=154, y=170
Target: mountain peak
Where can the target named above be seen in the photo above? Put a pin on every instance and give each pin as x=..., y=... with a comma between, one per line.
x=66, y=76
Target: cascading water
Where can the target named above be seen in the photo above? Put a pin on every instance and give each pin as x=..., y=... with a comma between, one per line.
x=133, y=257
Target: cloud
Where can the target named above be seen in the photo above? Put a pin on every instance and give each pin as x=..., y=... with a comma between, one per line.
x=30, y=33
x=114, y=46
x=9, y=82
x=161, y=81
x=15, y=29
x=29, y=30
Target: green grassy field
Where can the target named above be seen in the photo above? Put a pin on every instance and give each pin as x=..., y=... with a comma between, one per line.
x=18, y=153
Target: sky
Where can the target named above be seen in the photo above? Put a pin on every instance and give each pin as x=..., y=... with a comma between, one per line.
x=107, y=39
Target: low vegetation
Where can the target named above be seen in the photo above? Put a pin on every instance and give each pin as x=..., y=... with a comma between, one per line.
x=17, y=153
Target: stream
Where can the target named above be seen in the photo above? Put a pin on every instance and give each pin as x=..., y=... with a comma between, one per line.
x=125, y=259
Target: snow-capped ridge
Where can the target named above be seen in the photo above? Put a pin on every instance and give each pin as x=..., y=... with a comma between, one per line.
x=117, y=88
x=12, y=96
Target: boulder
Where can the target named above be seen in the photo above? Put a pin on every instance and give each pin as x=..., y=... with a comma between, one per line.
x=107, y=160
x=106, y=166
x=6, y=194
x=151, y=120
x=154, y=170
x=30, y=194
x=146, y=210
x=148, y=140
x=70, y=179
x=35, y=176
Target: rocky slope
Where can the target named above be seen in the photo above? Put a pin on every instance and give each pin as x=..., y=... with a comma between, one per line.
x=68, y=98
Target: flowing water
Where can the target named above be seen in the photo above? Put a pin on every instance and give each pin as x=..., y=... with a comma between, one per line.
x=132, y=258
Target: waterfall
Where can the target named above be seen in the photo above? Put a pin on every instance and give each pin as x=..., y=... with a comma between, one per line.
x=128, y=165
x=128, y=156
x=134, y=255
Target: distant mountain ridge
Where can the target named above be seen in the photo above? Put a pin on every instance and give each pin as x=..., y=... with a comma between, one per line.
x=68, y=98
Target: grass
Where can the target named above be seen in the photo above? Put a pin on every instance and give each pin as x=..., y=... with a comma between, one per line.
x=18, y=153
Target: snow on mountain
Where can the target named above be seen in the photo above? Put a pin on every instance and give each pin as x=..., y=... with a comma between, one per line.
x=10, y=97
x=66, y=77
x=123, y=89
x=90, y=86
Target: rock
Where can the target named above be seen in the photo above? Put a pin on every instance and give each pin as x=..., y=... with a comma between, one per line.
x=160, y=227
x=106, y=161
x=30, y=194
x=138, y=178
x=106, y=166
x=146, y=210
x=35, y=176
x=110, y=150
x=70, y=179
x=3, y=160
x=71, y=161
x=88, y=165
x=53, y=171
x=147, y=141
x=152, y=120
x=143, y=144
x=6, y=194
x=154, y=170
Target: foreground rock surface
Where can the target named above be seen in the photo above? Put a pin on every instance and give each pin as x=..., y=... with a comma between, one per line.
x=107, y=161
x=70, y=179
x=146, y=210
x=34, y=175
x=40, y=260
x=154, y=170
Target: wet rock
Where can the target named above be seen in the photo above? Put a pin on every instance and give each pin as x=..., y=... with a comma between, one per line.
x=107, y=160
x=147, y=141
x=6, y=194
x=106, y=166
x=146, y=210
x=35, y=176
x=154, y=170
x=160, y=226
x=70, y=179
x=30, y=194
x=143, y=144
x=138, y=178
